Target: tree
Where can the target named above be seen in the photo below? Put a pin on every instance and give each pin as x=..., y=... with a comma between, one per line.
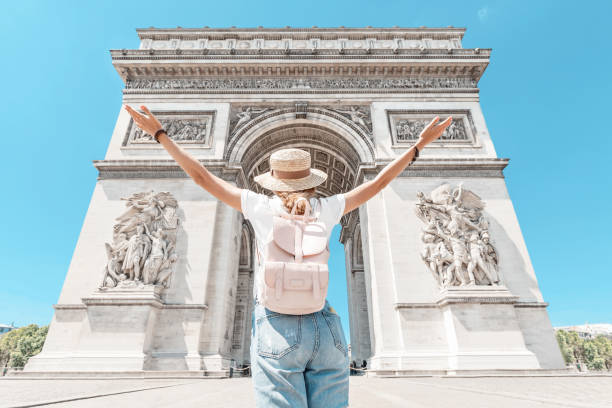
x=567, y=350
x=604, y=345
x=595, y=353
x=18, y=345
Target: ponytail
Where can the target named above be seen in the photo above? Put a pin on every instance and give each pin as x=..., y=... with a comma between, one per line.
x=289, y=197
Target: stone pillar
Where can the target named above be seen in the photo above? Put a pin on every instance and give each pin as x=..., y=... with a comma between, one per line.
x=384, y=326
x=348, y=244
x=220, y=294
x=241, y=336
x=357, y=297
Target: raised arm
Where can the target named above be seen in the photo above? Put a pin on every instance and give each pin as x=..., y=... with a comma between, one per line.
x=216, y=186
x=369, y=189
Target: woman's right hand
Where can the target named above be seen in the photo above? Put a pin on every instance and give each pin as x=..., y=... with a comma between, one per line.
x=432, y=131
x=148, y=124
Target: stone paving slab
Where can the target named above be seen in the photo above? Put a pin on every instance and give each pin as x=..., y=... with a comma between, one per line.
x=17, y=391
x=485, y=392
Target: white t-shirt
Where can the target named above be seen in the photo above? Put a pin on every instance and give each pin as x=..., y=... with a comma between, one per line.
x=259, y=210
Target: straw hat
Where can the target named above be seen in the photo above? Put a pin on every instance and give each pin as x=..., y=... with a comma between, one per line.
x=290, y=171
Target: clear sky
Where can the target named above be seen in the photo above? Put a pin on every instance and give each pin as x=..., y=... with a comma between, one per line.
x=545, y=97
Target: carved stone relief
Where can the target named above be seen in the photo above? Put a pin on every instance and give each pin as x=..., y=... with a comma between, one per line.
x=312, y=44
x=360, y=115
x=406, y=126
x=144, y=241
x=303, y=83
x=242, y=116
x=410, y=129
x=456, y=240
x=182, y=127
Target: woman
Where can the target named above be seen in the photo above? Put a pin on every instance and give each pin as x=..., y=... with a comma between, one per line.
x=296, y=360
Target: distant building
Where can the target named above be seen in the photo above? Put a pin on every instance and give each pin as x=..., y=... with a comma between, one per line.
x=589, y=331
x=5, y=328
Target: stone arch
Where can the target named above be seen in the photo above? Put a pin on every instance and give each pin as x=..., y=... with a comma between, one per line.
x=347, y=132
x=336, y=149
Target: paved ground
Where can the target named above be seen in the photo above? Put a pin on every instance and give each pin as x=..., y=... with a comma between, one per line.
x=487, y=392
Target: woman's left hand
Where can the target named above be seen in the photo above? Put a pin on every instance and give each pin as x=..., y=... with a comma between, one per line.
x=148, y=124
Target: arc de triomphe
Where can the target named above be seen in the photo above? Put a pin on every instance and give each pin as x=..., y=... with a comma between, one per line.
x=439, y=277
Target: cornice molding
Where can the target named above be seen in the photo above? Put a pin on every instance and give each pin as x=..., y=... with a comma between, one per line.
x=134, y=65
x=161, y=168
x=423, y=167
x=263, y=54
x=430, y=167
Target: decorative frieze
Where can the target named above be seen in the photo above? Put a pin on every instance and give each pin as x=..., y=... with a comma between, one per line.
x=313, y=44
x=182, y=127
x=303, y=83
x=143, y=253
x=405, y=127
x=456, y=240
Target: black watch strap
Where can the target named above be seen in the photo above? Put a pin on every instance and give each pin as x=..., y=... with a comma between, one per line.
x=416, y=154
x=156, y=135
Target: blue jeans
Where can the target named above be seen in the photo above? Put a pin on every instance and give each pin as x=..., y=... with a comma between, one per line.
x=299, y=360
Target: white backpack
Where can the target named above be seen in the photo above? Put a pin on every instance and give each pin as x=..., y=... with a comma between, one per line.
x=296, y=275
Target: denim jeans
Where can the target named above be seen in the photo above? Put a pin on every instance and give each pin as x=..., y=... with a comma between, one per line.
x=299, y=360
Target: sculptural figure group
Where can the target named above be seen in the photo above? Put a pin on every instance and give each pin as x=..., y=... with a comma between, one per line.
x=144, y=239
x=456, y=240
x=410, y=129
x=182, y=130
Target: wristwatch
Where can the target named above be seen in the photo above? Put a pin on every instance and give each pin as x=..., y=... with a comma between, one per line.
x=156, y=135
x=416, y=154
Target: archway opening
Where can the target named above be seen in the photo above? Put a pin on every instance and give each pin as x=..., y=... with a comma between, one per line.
x=333, y=154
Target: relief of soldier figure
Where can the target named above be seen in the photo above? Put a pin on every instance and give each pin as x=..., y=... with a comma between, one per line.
x=456, y=246
x=410, y=129
x=144, y=239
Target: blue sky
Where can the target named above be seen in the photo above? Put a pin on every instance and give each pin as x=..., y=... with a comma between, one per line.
x=544, y=97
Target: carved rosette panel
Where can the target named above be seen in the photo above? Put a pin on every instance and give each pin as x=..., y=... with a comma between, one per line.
x=304, y=83
x=143, y=250
x=406, y=126
x=182, y=127
x=456, y=242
